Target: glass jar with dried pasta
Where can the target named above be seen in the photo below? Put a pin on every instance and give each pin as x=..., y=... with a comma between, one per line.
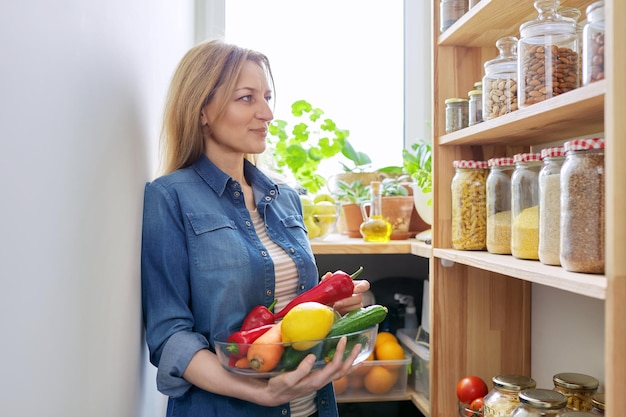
x=499, y=205
x=469, y=212
x=525, y=206
x=540, y=402
x=597, y=404
x=550, y=205
x=578, y=388
x=593, y=44
x=503, y=397
x=582, y=206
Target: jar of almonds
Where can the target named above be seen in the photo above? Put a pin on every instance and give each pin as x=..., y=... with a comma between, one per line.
x=593, y=44
x=548, y=63
x=500, y=80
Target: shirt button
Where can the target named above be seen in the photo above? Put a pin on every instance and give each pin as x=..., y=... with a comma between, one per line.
x=323, y=402
x=284, y=411
x=268, y=198
x=273, y=192
x=302, y=286
x=248, y=223
x=237, y=193
x=268, y=292
x=263, y=253
x=292, y=250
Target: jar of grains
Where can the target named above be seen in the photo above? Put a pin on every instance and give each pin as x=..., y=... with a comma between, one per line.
x=540, y=403
x=503, y=397
x=475, y=107
x=469, y=218
x=457, y=114
x=593, y=44
x=500, y=80
x=547, y=45
x=550, y=205
x=499, y=205
x=597, y=404
x=525, y=206
x=582, y=206
x=450, y=12
x=578, y=388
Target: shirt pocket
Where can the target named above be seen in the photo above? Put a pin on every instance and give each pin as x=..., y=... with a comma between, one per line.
x=215, y=242
x=295, y=226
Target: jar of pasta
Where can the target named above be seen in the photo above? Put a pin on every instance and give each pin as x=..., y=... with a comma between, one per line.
x=597, y=404
x=500, y=80
x=469, y=218
x=499, y=205
x=548, y=45
x=582, y=206
x=457, y=114
x=578, y=388
x=540, y=403
x=525, y=206
x=503, y=397
x=550, y=205
x=593, y=44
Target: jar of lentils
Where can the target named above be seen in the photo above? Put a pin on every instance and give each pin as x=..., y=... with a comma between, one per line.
x=540, y=403
x=578, y=388
x=548, y=63
x=597, y=404
x=469, y=205
x=499, y=205
x=457, y=114
x=525, y=206
x=582, y=206
x=593, y=44
x=503, y=397
x=550, y=205
x=500, y=80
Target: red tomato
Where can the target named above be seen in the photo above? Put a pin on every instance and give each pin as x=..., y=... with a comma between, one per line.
x=477, y=404
x=470, y=388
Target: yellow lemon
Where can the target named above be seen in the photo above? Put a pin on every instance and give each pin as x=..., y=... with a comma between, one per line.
x=305, y=323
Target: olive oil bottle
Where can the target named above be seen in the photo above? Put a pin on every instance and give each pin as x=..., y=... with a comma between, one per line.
x=375, y=228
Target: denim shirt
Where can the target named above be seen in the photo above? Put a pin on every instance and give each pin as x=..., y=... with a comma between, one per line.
x=203, y=268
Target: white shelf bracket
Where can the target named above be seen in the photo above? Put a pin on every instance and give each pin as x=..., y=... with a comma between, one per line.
x=447, y=263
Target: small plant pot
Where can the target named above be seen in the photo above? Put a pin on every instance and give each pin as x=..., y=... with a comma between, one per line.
x=352, y=219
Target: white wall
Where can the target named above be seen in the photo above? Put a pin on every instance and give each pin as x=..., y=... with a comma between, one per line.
x=82, y=85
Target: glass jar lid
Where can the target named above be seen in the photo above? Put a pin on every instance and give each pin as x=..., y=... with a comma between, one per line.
x=571, y=380
x=504, y=161
x=597, y=400
x=553, y=152
x=475, y=93
x=513, y=382
x=595, y=11
x=455, y=100
x=478, y=85
x=545, y=399
x=506, y=61
x=548, y=22
x=527, y=157
x=584, y=144
x=469, y=164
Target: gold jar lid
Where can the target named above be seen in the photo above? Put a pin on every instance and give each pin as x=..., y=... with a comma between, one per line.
x=544, y=399
x=597, y=400
x=455, y=100
x=571, y=380
x=513, y=382
x=475, y=92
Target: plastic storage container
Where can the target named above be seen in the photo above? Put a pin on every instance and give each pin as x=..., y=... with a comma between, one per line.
x=500, y=80
x=457, y=114
x=475, y=106
x=450, y=12
x=503, y=397
x=420, y=360
x=371, y=381
x=593, y=44
x=525, y=206
x=540, y=403
x=547, y=45
x=469, y=205
x=578, y=388
x=550, y=205
x=499, y=205
x=582, y=206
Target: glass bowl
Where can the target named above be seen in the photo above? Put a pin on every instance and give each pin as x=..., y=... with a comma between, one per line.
x=322, y=223
x=290, y=357
x=466, y=411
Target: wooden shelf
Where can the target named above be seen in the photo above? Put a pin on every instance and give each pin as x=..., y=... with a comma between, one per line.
x=417, y=399
x=338, y=244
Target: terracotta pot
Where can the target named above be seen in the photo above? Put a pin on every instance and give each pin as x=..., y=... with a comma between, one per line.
x=398, y=211
x=351, y=219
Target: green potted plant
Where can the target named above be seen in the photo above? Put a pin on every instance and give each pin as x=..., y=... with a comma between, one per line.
x=418, y=163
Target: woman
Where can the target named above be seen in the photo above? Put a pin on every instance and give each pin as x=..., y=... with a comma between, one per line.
x=220, y=237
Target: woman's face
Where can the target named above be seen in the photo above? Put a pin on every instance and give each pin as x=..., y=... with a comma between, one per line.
x=243, y=125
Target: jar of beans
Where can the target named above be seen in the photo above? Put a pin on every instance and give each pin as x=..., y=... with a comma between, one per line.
x=548, y=63
x=593, y=44
x=550, y=205
x=525, y=206
x=499, y=205
x=582, y=206
x=469, y=218
x=578, y=388
x=597, y=404
x=540, y=402
x=504, y=396
x=457, y=114
x=500, y=80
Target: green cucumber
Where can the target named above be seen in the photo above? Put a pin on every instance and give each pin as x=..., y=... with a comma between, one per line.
x=353, y=340
x=291, y=357
x=358, y=320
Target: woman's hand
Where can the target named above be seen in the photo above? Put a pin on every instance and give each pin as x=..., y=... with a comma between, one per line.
x=353, y=302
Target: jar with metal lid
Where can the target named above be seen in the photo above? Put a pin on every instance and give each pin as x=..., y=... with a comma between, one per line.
x=469, y=218
x=540, y=403
x=478, y=85
x=582, y=206
x=503, y=397
x=578, y=388
x=550, y=205
x=457, y=114
x=450, y=12
x=475, y=107
x=499, y=205
x=593, y=44
x=547, y=45
x=525, y=206
x=500, y=80
x=597, y=404
x=569, y=413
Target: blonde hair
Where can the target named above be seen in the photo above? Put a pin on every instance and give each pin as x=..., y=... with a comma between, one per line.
x=205, y=68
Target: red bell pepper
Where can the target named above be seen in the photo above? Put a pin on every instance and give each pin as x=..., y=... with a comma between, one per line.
x=238, y=342
x=259, y=316
x=332, y=289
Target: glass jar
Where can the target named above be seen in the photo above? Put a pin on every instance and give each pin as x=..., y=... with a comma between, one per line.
x=578, y=388
x=540, y=403
x=457, y=114
x=499, y=205
x=503, y=397
x=550, y=205
x=582, y=206
x=568, y=413
x=469, y=210
x=525, y=206
x=475, y=107
x=375, y=228
x=574, y=14
x=478, y=85
x=500, y=80
x=593, y=44
x=473, y=3
x=547, y=45
x=597, y=404
x=450, y=12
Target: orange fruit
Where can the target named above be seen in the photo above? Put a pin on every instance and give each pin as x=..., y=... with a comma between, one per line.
x=359, y=370
x=355, y=381
x=379, y=380
x=389, y=351
x=384, y=337
x=341, y=385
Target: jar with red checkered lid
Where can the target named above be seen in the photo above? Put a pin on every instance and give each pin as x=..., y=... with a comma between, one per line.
x=582, y=206
x=469, y=210
x=550, y=205
x=499, y=205
x=525, y=206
